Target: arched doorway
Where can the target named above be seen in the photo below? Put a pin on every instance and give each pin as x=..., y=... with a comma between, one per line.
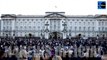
x=55, y=35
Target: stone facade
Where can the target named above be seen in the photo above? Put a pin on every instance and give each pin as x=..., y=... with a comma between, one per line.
x=53, y=23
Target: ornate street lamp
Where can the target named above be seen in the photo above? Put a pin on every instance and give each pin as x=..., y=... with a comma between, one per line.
x=64, y=30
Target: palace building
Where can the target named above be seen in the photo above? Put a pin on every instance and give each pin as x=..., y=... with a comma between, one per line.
x=53, y=24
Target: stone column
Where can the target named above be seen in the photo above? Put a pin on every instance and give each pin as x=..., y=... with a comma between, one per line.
x=13, y=27
x=1, y=28
x=47, y=31
x=47, y=35
x=96, y=27
x=64, y=35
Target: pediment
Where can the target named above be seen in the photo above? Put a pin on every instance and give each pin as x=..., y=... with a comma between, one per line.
x=8, y=16
x=102, y=16
x=55, y=15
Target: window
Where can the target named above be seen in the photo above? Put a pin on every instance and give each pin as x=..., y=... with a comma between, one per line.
x=75, y=28
x=25, y=27
x=23, y=19
x=102, y=28
x=93, y=23
x=4, y=23
x=99, y=23
x=71, y=27
x=84, y=28
x=106, y=28
x=38, y=27
x=68, y=20
x=7, y=27
x=19, y=20
x=3, y=28
x=10, y=27
x=102, y=23
x=16, y=27
x=93, y=28
x=29, y=26
x=62, y=21
x=84, y=23
x=106, y=23
x=88, y=28
x=58, y=26
x=88, y=22
x=79, y=28
x=20, y=26
x=32, y=19
x=41, y=19
x=99, y=28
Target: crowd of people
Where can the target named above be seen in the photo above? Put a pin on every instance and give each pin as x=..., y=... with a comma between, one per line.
x=52, y=49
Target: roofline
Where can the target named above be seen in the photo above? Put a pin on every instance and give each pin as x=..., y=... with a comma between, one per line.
x=54, y=12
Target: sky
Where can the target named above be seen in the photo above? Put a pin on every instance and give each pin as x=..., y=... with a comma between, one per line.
x=39, y=7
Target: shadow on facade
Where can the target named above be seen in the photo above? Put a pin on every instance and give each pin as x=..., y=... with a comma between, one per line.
x=55, y=35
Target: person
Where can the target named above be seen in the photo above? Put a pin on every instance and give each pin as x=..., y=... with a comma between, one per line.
x=46, y=56
x=70, y=53
x=16, y=51
x=36, y=56
x=13, y=52
x=2, y=55
x=86, y=55
x=56, y=57
x=23, y=54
